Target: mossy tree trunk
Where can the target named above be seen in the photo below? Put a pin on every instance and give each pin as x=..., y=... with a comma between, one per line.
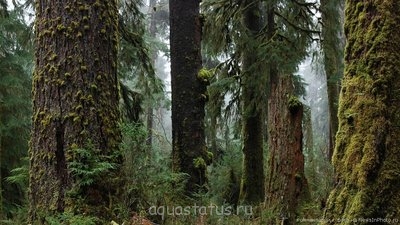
x=286, y=184
x=188, y=93
x=367, y=153
x=74, y=154
x=252, y=184
x=333, y=62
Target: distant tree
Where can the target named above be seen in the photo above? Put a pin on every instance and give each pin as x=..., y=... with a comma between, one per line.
x=367, y=151
x=332, y=47
x=150, y=111
x=189, y=153
x=232, y=30
x=74, y=148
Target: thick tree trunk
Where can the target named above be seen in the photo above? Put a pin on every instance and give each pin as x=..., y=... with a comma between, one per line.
x=333, y=62
x=367, y=153
x=75, y=110
x=252, y=184
x=188, y=93
x=286, y=184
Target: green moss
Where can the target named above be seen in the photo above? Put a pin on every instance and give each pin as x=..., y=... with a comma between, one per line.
x=70, y=115
x=46, y=120
x=205, y=75
x=74, y=24
x=60, y=82
x=45, y=32
x=78, y=94
x=52, y=57
x=83, y=8
x=367, y=147
x=78, y=107
x=76, y=119
x=97, y=4
x=199, y=162
x=210, y=155
x=61, y=27
x=294, y=103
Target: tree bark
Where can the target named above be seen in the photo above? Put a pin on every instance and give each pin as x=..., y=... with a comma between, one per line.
x=367, y=153
x=286, y=184
x=188, y=93
x=252, y=184
x=75, y=110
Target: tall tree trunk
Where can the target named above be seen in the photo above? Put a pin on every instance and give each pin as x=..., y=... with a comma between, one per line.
x=153, y=55
x=188, y=93
x=367, y=153
x=252, y=184
x=286, y=183
x=75, y=136
x=333, y=62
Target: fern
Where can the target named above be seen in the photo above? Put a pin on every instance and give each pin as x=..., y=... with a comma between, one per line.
x=19, y=176
x=88, y=167
x=71, y=219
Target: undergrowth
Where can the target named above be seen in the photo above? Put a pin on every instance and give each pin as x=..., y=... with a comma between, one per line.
x=155, y=193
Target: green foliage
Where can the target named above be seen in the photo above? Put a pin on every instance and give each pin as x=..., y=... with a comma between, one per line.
x=18, y=216
x=16, y=61
x=333, y=40
x=88, y=166
x=294, y=31
x=219, y=112
x=135, y=60
x=299, y=85
x=20, y=175
x=71, y=219
x=225, y=176
x=134, y=51
x=140, y=87
x=150, y=180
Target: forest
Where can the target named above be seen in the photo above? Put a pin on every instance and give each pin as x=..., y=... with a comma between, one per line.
x=220, y=112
